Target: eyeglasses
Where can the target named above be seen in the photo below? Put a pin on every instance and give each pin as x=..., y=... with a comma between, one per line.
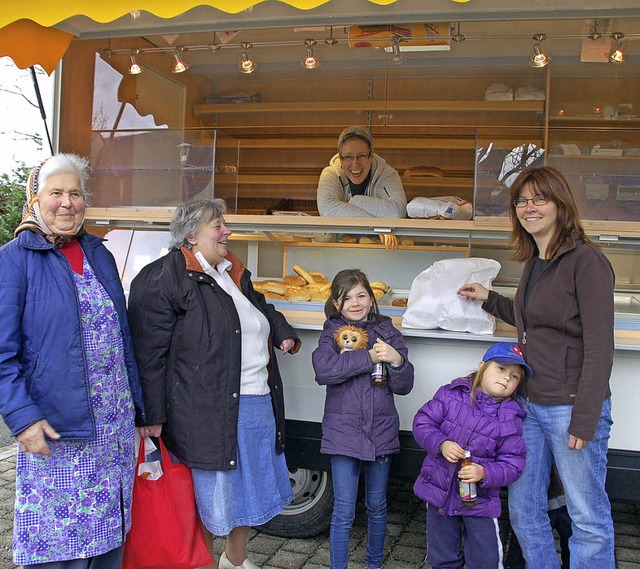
x=349, y=158
x=535, y=200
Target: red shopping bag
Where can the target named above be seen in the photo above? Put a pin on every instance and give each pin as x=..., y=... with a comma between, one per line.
x=165, y=532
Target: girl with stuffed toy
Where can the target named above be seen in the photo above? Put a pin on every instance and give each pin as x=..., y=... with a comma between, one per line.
x=360, y=424
x=472, y=432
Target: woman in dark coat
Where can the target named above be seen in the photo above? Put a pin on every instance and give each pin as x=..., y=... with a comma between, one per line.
x=204, y=341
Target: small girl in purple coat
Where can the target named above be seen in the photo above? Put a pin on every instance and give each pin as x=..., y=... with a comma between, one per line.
x=476, y=413
x=360, y=424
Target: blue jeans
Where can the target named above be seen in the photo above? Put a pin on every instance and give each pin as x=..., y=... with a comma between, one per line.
x=346, y=472
x=583, y=473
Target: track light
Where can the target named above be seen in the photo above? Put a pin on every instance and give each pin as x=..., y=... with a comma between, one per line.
x=310, y=61
x=457, y=37
x=539, y=58
x=617, y=55
x=134, y=67
x=179, y=66
x=246, y=65
x=331, y=41
x=396, y=55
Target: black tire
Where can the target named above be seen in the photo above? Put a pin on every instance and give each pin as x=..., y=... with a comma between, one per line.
x=310, y=512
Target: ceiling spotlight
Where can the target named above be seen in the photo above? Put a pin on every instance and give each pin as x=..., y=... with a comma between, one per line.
x=331, y=41
x=396, y=55
x=310, y=61
x=246, y=65
x=617, y=55
x=134, y=67
x=213, y=46
x=539, y=58
x=457, y=37
x=179, y=66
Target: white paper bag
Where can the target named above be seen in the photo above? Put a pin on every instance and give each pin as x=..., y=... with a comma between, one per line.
x=434, y=302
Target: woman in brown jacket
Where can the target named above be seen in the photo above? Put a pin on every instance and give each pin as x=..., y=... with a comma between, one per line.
x=563, y=312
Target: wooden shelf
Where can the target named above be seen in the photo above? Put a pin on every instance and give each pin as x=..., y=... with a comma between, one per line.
x=633, y=122
x=590, y=157
x=204, y=110
x=490, y=227
x=312, y=179
x=381, y=142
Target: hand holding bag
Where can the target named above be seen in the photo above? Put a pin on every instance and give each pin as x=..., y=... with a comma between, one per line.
x=165, y=532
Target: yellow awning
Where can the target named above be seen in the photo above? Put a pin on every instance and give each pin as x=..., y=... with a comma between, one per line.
x=28, y=43
x=27, y=37
x=49, y=13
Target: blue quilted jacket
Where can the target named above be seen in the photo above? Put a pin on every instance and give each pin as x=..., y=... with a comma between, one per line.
x=492, y=431
x=42, y=362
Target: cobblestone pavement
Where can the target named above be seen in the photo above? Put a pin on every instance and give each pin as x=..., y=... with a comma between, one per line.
x=405, y=545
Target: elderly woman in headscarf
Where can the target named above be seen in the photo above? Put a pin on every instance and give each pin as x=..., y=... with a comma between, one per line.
x=205, y=342
x=68, y=380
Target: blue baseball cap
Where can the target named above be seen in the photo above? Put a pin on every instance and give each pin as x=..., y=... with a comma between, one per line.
x=506, y=353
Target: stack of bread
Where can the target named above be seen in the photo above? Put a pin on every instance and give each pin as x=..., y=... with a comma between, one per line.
x=306, y=286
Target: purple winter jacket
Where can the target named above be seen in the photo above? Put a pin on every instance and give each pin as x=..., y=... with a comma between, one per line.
x=491, y=430
x=360, y=420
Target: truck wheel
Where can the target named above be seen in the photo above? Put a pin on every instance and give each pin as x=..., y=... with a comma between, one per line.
x=310, y=512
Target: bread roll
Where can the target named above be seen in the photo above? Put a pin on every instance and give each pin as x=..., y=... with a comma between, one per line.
x=294, y=280
x=369, y=240
x=378, y=293
x=318, y=278
x=381, y=285
x=348, y=239
x=399, y=301
x=424, y=171
x=406, y=241
x=299, y=294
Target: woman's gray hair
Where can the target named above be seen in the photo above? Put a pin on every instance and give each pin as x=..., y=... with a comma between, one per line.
x=188, y=217
x=67, y=164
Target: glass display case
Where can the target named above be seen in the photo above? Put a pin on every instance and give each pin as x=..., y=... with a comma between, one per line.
x=162, y=167
x=270, y=246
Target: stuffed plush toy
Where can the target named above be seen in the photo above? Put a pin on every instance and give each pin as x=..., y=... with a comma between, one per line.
x=351, y=338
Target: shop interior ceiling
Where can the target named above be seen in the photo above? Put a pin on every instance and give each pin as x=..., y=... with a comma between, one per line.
x=277, y=31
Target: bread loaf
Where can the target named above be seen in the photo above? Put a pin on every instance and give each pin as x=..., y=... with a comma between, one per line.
x=294, y=280
x=306, y=275
x=425, y=171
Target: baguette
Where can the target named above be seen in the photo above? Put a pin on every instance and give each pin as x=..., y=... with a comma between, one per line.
x=306, y=275
x=275, y=287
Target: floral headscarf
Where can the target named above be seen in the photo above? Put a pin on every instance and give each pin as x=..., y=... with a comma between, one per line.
x=31, y=216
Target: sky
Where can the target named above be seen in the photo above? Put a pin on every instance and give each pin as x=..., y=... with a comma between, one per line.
x=20, y=118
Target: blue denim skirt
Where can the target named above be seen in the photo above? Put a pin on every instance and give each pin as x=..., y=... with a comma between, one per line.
x=259, y=488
